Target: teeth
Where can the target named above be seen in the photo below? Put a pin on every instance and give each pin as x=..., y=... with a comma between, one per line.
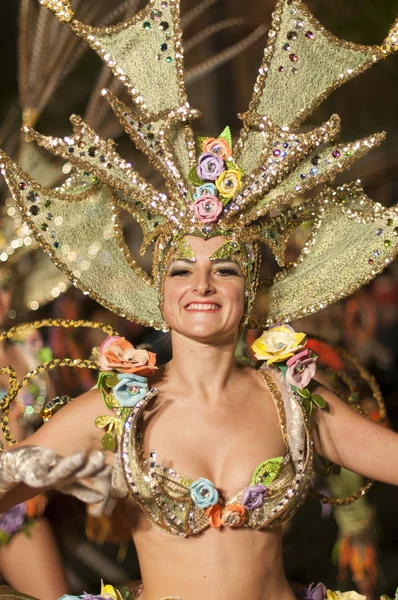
x=203, y=307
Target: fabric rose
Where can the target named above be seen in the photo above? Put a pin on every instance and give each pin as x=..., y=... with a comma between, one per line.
x=131, y=389
x=217, y=146
x=207, y=208
x=207, y=189
x=233, y=515
x=215, y=513
x=301, y=368
x=117, y=354
x=312, y=592
x=278, y=343
x=344, y=596
x=253, y=496
x=229, y=183
x=13, y=520
x=210, y=166
x=203, y=493
x=108, y=592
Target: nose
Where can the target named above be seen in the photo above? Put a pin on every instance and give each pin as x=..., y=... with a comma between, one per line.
x=203, y=284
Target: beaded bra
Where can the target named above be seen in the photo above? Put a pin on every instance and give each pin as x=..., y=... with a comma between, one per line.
x=181, y=506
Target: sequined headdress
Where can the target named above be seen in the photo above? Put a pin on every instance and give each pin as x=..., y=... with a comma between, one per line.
x=210, y=189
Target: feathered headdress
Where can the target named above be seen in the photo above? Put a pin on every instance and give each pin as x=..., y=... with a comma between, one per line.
x=213, y=189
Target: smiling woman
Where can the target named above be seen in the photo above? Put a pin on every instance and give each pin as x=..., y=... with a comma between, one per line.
x=204, y=297
x=215, y=452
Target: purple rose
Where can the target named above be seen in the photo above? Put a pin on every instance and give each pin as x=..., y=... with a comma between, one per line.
x=210, y=166
x=13, y=520
x=301, y=368
x=312, y=592
x=253, y=496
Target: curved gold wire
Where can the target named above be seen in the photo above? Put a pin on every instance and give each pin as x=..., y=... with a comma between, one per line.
x=15, y=385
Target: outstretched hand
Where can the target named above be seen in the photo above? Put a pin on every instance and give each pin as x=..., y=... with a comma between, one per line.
x=42, y=468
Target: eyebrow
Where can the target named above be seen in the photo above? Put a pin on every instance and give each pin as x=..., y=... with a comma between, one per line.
x=213, y=262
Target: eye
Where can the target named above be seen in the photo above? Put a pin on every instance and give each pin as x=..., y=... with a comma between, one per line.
x=224, y=271
x=179, y=272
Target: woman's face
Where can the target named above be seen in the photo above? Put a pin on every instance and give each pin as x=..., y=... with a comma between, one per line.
x=204, y=299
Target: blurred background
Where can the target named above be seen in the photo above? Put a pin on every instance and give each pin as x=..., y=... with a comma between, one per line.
x=47, y=74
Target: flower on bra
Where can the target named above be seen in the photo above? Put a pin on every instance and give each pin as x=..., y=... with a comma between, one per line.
x=117, y=354
x=217, y=146
x=203, y=493
x=278, y=343
x=301, y=368
x=130, y=389
x=214, y=513
x=312, y=592
x=253, y=496
x=233, y=515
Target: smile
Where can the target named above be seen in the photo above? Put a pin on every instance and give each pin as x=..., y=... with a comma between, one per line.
x=203, y=306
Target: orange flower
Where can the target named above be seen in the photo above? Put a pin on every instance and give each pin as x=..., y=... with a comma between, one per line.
x=233, y=515
x=214, y=513
x=35, y=506
x=117, y=354
x=217, y=146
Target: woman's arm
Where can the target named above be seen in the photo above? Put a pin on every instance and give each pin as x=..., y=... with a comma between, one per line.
x=67, y=433
x=348, y=439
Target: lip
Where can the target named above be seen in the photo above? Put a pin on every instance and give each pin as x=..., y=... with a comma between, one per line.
x=208, y=307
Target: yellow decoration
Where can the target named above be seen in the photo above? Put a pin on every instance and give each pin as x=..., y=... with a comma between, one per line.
x=229, y=183
x=344, y=595
x=278, y=344
x=110, y=592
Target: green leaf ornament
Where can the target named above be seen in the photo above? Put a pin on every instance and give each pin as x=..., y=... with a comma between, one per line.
x=194, y=178
x=226, y=135
x=267, y=471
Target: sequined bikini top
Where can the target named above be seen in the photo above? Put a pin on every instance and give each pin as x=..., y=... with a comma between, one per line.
x=181, y=506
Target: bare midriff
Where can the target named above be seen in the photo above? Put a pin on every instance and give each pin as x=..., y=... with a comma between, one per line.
x=228, y=564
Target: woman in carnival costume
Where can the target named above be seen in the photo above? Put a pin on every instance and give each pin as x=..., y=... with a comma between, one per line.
x=213, y=452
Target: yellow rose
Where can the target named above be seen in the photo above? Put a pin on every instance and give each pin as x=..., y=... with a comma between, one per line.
x=344, y=595
x=278, y=343
x=108, y=591
x=229, y=182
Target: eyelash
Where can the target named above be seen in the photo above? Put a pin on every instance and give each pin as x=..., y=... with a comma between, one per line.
x=222, y=271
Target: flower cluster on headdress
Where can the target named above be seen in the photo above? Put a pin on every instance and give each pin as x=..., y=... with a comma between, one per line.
x=216, y=178
x=281, y=345
x=124, y=372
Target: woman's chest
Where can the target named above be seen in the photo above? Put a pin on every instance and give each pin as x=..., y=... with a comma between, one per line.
x=222, y=444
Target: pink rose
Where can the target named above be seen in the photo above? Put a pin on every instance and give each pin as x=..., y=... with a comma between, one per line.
x=117, y=354
x=301, y=368
x=207, y=208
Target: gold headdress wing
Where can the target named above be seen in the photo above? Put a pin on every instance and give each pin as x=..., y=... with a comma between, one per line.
x=78, y=224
